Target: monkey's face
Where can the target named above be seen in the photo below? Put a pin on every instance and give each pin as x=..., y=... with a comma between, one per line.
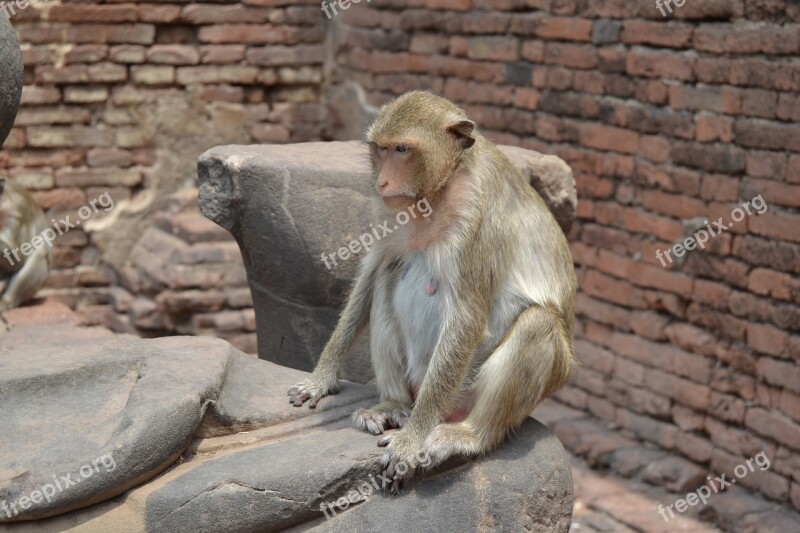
x=416, y=144
x=399, y=173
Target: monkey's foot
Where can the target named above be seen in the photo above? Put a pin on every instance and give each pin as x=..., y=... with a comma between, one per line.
x=449, y=440
x=312, y=390
x=385, y=415
x=403, y=460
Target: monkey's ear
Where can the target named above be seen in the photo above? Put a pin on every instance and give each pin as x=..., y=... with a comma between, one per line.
x=463, y=131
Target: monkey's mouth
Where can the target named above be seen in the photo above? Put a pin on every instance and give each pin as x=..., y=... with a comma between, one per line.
x=397, y=200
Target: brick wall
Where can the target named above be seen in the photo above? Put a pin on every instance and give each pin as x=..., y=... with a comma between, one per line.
x=123, y=97
x=667, y=122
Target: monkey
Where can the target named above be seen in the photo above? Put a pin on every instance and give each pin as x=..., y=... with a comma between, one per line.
x=24, y=245
x=470, y=310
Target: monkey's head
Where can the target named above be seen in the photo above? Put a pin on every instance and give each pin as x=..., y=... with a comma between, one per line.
x=416, y=144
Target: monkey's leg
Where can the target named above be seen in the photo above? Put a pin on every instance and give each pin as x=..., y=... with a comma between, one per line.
x=533, y=360
x=23, y=285
x=388, y=361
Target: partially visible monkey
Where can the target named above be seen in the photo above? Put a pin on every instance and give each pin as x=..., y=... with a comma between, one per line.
x=470, y=309
x=23, y=226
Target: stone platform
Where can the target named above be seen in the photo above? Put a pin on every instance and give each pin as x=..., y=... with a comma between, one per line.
x=189, y=434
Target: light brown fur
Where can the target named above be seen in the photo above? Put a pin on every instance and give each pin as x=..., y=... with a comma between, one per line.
x=21, y=219
x=495, y=337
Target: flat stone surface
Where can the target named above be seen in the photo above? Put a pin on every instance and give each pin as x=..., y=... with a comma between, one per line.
x=277, y=202
x=11, y=79
x=188, y=434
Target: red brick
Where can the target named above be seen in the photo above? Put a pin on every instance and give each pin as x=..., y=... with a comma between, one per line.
x=647, y=428
x=454, y=5
x=62, y=198
x=759, y=103
x=93, y=13
x=649, y=325
x=770, y=165
x=714, y=128
x=660, y=65
x=687, y=419
x=114, y=34
x=757, y=133
x=673, y=35
x=773, y=425
x=789, y=404
x=773, y=192
x=570, y=55
x=712, y=294
x=270, y=56
x=158, y=14
x=788, y=107
x=781, y=226
x=779, y=373
x=221, y=54
x=608, y=138
x=729, y=326
x=564, y=29
x=793, y=172
x=726, y=407
x=720, y=188
x=774, y=284
x=241, y=33
x=173, y=54
x=493, y=48
x=222, y=14
x=695, y=448
x=607, y=288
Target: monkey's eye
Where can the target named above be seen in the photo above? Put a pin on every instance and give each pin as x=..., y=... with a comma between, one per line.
x=402, y=149
x=382, y=150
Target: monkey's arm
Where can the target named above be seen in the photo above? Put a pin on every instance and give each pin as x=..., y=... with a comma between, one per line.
x=355, y=317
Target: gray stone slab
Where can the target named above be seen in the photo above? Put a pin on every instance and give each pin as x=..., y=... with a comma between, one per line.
x=10, y=78
x=138, y=403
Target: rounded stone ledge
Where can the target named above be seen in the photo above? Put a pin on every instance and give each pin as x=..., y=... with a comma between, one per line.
x=11, y=79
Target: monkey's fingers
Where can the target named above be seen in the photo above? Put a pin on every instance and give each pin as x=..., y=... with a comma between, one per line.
x=385, y=441
x=299, y=399
x=391, y=481
x=315, y=398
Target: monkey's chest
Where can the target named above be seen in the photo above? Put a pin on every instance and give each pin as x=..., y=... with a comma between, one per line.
x=417, y=302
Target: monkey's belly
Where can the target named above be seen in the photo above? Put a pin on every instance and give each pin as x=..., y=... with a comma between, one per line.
x=417, y=307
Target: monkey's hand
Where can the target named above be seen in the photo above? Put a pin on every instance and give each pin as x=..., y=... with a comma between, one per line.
x=313, y=390
x=404, y=458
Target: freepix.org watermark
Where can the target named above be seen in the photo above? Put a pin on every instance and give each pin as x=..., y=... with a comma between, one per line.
x=366, y=240
x=344, y=5
x=9, y=9
x=701, y=237
x=365, y=489
x=60, y=483
x=704, y=492
x=667, y=6
x=62, y=226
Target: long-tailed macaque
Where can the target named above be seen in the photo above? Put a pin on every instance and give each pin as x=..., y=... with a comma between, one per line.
x=25, y=240
x=470, y=309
